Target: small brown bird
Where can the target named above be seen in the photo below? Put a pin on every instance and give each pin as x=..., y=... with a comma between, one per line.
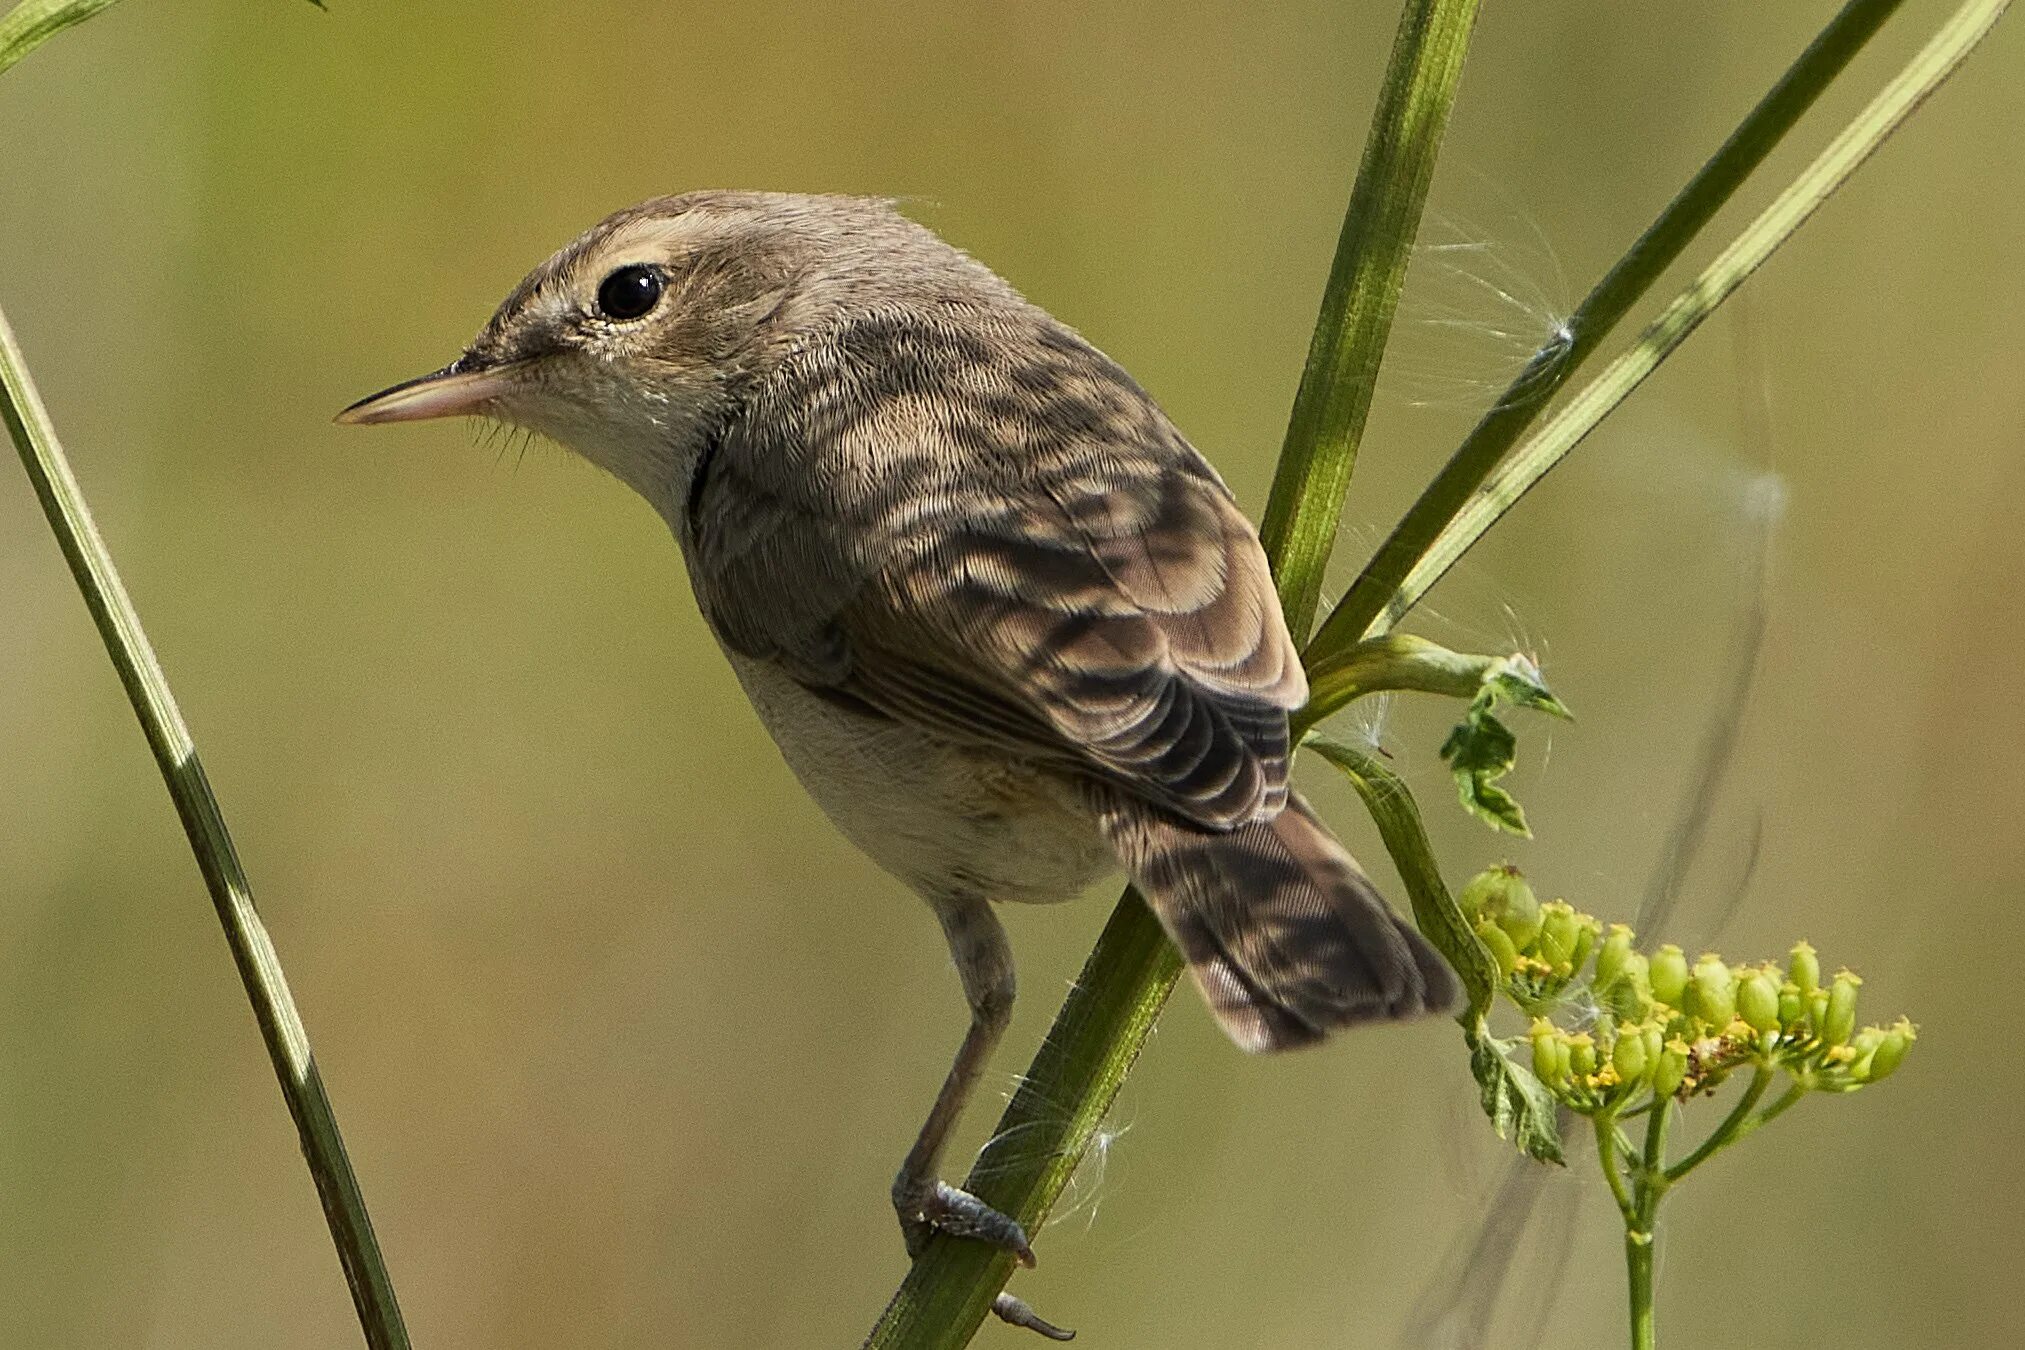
x=1006, y=625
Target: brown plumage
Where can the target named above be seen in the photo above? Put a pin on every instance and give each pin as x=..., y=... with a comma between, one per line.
x=1005, y=623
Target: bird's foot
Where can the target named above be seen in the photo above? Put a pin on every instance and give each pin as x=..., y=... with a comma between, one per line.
x=938, y=1207
x=1014, y=1310
x=934, y=1207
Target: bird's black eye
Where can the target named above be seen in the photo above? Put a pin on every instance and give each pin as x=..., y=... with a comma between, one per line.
x=629, y=292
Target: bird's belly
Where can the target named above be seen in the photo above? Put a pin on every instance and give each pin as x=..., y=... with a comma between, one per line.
x=950, y=821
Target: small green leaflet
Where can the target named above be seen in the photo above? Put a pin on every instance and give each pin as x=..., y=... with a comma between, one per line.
x=1481, y=749
x=1519, y=1105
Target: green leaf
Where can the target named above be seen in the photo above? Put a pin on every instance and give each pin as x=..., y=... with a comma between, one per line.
x=33, y=22
x=1435, y=911
x=1516, y=680
x=1518, y=1103
x=1481, y=749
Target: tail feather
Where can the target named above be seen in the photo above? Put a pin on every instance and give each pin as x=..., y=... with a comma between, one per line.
x=1286, y=936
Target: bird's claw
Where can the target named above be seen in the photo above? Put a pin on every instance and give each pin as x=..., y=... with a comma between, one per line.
x=942, y=1208
x=1015, y=1311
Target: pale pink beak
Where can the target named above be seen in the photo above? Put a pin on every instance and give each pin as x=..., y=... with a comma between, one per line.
x=449, y=392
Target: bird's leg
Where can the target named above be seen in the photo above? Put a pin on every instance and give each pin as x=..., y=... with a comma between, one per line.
x=927, y=1204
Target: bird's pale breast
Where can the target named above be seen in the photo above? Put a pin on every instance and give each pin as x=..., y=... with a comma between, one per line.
x=950, y=821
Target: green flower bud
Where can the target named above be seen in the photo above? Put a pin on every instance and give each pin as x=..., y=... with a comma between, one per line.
x=1891, y=1050
x=1638, y=978
x=1792, y=1007
x=1758, y=1000
x=1861, y=1047
x=1839, y=1019
x=1630, y=997
x=1488, y=893
x=1500, y=946
x=1817, y=1010
x=1581, y=1054
x=1550, y=1054
x=1615, y=954
x=1670, y=1071
x=1628, y=1056
x=1803, y=967
x=1669, y=969
x=1587, y=931
x=1556, y=943
x=1477, y=892
x=1712, y=993
x=1512, y=906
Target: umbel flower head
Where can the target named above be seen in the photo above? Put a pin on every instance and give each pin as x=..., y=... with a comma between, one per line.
x=1660, y=1026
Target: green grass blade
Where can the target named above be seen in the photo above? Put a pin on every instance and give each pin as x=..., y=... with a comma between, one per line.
x=1320, y=451
x=252, y=951
x=1358, y=614
x=33, y=22
x=1527, y=465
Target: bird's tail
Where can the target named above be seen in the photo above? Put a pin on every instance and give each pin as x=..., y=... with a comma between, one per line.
x=1286, y=936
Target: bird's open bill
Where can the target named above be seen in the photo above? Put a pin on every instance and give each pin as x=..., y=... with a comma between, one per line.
x=448, y=392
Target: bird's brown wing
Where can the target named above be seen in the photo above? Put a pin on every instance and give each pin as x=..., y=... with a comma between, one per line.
x=1000, y=537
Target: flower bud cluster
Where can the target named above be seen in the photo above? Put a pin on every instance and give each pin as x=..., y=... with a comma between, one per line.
x=1659, y=1023
x=1540, y=948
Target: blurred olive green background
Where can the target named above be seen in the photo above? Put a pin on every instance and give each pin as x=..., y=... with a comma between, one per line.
x=626, y=1041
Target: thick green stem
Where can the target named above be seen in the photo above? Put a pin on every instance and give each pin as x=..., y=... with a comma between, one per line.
x=176, y=754
x=1638, y=1270
x=1305, y=508
x=1041, y=1138
x=1641, y=1227
x=1652, y=1182
x=1370, y=606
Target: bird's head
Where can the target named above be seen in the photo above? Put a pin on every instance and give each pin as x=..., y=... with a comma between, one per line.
x=634, y=343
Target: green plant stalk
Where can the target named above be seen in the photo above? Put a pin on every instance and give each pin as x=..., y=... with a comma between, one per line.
x=1638, y=1277
x=1649, y=1186
x=1435, y=912
x=1372, y=604
x=1397, y=661
x=175, y=753
x=1734, y=1126
x=1531, y=462
x=33, y=22
x=1105, y=1021
x=1041, y=1138
x=1305, y=507
x=1605, y=1125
